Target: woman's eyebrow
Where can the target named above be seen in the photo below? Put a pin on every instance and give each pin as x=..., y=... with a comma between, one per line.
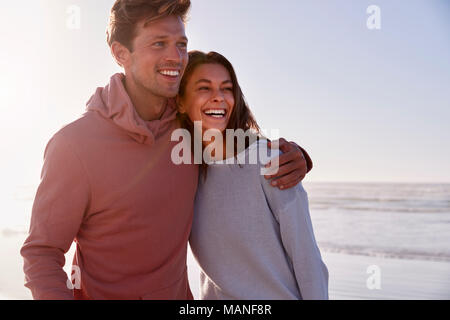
x=203, y=80
x=209, y=81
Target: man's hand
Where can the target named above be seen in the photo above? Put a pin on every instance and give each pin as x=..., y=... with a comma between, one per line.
x=293, y=165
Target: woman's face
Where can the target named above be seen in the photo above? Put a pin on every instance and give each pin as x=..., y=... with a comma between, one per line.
x=209, y=97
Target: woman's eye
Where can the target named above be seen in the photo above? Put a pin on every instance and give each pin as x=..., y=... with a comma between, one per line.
x=229, y=89
x=203, y=88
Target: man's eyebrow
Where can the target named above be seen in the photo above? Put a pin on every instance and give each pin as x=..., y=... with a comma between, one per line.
x=166, y=37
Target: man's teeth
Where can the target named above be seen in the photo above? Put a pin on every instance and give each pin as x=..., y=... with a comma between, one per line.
x=170, y=73
x=216, y=113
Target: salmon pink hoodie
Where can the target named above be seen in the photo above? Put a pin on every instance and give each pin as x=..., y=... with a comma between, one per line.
x=108, y=182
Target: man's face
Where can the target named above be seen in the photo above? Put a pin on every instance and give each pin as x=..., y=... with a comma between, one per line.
x=159, y=56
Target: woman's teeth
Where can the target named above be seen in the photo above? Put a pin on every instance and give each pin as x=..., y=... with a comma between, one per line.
x=215, y=113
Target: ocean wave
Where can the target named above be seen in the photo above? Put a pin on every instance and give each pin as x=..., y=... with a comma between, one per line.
x=411, y=202
x=404, y=254
x=380, y=209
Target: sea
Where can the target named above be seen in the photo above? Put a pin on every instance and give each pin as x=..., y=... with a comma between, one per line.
x=404, y=221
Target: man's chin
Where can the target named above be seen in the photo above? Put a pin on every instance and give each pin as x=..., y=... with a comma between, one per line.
x=168, y=94
x=171, y=95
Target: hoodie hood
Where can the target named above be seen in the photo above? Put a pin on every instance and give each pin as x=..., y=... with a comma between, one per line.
x=113, y=102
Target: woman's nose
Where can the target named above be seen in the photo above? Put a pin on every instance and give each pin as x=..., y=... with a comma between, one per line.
x=218, y=96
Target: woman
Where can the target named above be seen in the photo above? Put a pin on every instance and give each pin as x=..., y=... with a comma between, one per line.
x=251, y=241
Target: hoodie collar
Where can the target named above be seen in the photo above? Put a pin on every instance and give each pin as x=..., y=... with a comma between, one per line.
x=114, y=103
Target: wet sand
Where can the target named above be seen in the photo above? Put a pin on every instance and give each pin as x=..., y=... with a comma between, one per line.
x=399, y=279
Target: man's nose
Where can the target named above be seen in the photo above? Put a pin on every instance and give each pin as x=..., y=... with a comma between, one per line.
x=174, y=54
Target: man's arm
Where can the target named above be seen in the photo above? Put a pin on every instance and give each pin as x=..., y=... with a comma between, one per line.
x=309, y=163
x=58, y=211
x=294, y=164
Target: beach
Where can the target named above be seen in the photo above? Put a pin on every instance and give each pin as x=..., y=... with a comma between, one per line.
x=399, y=278
x=11, y=267
x=379, y=241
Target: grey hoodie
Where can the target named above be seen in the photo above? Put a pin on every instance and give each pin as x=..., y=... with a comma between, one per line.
x=253, y=241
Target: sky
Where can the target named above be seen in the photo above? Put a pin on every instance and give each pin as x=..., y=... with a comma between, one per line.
x=368, y=105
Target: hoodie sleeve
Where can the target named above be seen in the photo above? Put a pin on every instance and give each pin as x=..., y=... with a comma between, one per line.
x=291, y=209
x=58, y=210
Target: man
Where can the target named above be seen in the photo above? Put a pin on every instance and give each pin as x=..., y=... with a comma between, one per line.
x=108, y=181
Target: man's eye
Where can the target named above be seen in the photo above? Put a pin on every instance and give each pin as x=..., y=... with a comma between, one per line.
x=158, y=44
x=182, y=45
x=203, y=88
